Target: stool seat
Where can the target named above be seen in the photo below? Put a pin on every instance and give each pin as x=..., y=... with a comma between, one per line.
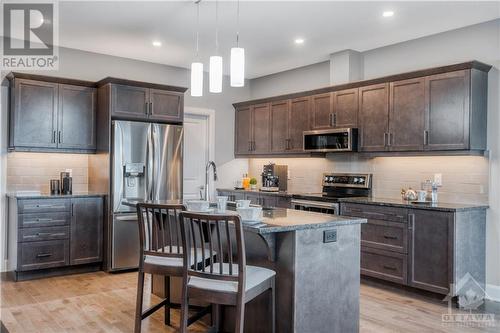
x=176, y=261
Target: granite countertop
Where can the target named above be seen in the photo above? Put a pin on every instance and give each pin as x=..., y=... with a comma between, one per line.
x=440, y=206
x=282, y=219
x=32, y=195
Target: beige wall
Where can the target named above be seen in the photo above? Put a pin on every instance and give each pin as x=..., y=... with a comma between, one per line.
x=33, y=171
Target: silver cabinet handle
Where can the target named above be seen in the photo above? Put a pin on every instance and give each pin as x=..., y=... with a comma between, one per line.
x=426, y=137
x=146, y=107
x=59, y=136
x=249, y=145
x=53, y=136
x=335, y=119
x=389, y=138
x=43, y=255
x=151, y=108
x=385, y=139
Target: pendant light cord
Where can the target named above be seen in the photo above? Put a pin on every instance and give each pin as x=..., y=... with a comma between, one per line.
x=197, y=29
x=216, y=27
x=237, y=23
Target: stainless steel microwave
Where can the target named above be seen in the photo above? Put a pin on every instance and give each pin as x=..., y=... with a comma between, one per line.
x=331, y=140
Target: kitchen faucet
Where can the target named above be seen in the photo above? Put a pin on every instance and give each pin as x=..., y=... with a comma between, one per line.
x=207, y=170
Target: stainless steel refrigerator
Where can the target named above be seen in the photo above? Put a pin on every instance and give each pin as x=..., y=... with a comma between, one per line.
x=146, y=165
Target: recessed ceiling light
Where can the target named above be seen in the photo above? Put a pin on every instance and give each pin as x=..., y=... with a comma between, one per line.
x=299, y=41
x=156, y=43
x=388, y=13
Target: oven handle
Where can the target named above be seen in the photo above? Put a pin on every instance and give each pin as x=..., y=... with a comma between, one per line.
x=314, y=204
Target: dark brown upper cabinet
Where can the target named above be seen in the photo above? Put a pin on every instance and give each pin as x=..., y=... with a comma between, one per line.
x=299, y=121
x=448, y=111
x=322, y=111
x=134, y=100
x=407, y=115
x=280, y=117
x=243, y=131
x=441, y=109
x=345, y=108
x=261, y=125
x=52, y=114
x=374, y=114
x=77, y=117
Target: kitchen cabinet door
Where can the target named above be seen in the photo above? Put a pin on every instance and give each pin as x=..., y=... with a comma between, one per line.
x=430, y=253
x=166, y=105
x=345, y=108
x=253, y=197
x=322, y=111
x=374, y=115
x=447, y=99
x=76, y=117
x=279, y=126
x=261, y=126
x=86, y=230
x=407, y=115
x=298, y=123
x=243, y=131
x=34, y=117
x=129, y=102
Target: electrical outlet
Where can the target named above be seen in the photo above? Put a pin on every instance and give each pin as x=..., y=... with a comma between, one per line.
x=329, y=236
x=438, y=179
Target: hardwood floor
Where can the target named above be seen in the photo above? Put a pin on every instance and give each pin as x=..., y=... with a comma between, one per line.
x=101, y=302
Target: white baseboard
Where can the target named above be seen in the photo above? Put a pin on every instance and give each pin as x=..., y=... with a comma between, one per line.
x=493, y=292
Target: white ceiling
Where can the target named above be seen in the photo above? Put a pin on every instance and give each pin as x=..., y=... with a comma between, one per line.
x=267, y=29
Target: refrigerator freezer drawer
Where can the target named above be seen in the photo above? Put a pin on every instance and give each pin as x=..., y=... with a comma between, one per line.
x=125, y=253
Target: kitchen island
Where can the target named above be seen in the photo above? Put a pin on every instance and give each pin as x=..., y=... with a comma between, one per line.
x=317, y=262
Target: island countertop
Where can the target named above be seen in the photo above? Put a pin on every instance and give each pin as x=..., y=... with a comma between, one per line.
x=282, y=219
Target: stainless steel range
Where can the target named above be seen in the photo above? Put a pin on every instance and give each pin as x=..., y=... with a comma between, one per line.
x=335, y=186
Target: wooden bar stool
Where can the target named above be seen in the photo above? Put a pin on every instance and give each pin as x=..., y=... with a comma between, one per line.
x=227, y=280
x=161, y=253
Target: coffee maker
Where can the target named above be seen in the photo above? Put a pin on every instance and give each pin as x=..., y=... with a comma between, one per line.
x=274, y=178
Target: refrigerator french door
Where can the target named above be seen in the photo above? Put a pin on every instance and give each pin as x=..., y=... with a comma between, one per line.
x=146, y=165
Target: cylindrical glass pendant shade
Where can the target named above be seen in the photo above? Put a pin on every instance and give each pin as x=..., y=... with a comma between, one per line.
x=196, y=79
x=237, y=67
x=215, y=74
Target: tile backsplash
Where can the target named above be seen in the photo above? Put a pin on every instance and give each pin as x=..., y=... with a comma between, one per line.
x=465, y=178
x=33, y=171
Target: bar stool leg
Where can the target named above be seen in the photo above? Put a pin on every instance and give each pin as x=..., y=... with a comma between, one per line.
x=240, y=317
x=184, y=310
x=139, y=299
x=166, y=282
x=273, y=305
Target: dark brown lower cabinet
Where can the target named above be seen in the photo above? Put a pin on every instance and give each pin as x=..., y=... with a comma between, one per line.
x=86, y=230
x=267, y=200
x=423, y=248
x=52, y=236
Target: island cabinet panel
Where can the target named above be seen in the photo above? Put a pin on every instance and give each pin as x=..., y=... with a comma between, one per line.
x=129, y=101
x=407, y=115
x=243, y=131
x=345, y=108
x=280, y=116
x=166, y=105
x=431, y=250
x=86, y=230
x=374, y=116
x=322, y=111
x=77, y=117
x=298, y=123
x=261, y=126
x=34, y=114
x=448, y=98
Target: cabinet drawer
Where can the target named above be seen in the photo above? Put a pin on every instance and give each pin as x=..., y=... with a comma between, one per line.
x=385, y=235
x=376, y=212
x=283, y=202
x=44, y=233
x=46, y=254
x=386, y=265
x=44, y=219
x=44, y=206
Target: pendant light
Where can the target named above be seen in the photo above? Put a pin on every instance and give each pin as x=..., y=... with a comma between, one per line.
x=215, y=75
x=237, y=56
x=197, y=66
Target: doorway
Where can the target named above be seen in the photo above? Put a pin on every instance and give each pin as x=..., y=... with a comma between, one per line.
x=199, y=149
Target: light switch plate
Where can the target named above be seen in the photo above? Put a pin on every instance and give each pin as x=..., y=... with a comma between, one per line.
x=438, y=179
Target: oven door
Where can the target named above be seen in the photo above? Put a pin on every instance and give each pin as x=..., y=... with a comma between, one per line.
x=332, y=140
x=316, y=206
